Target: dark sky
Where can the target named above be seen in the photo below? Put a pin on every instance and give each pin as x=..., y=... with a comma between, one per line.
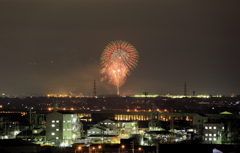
x=54, y=46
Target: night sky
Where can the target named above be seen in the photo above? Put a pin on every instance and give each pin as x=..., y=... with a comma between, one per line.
x=54, y=46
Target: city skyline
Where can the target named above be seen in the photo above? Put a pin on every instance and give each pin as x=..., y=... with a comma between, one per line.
x=55, y=46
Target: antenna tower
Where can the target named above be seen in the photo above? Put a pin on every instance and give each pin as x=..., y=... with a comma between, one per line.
x=185, y=89
x=94, y=89
x=145, y=101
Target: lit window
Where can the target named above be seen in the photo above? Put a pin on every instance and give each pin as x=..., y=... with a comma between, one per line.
x=71, y=115
x=53, y=133
x=206, y=127
x=210, y=134
x=210, y=139
x=214, y=135
x=57, y=121
x=223, y=127
x=210, y=127
x=53, y=142
x=56, y=137
x=57, y=129
x=214, y=127
x=74, y=120
x=63, y=129
x=34, y=131
x=63, y=121
x=105, y=123
x=206, y=134
x=53, y=121
x=109, y=123
x=214, y=139
x=206, y=139
x=53, y=125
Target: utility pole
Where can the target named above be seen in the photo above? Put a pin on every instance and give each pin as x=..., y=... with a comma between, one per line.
x=172, y=126
x=132, y=145
x=94, y=89
x=185, y=89
x=145, y=101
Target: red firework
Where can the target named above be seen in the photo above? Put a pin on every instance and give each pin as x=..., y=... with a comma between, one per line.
x=118, y=58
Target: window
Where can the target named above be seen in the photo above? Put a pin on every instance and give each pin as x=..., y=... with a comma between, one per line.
x=53, y=125
x=214, y=135
x=57, y=121
x=53, y=133
x=206, y=134
x=206, y=139
x=56, y=137
x=214, y=139
x=53, y=121
x=223, y=127
x=210, y=127
x=57, y=129
x=206, y=127
x=63, y=129
x=214, y=127
x=210, y=139
x=210, y=134
x=34, y=131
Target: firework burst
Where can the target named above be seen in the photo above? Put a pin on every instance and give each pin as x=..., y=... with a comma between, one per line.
x=118, y=58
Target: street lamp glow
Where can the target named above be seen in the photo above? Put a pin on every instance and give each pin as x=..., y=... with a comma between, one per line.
x=78, y=148
x=121, y=147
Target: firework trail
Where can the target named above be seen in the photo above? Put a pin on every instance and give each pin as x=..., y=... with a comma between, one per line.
x=118, y=58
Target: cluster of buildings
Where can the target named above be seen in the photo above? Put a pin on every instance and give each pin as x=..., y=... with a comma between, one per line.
x=65, y=128
x=145, y=128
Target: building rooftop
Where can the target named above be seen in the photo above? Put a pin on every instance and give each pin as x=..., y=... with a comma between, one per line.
x=203, y=115
x=65, y=112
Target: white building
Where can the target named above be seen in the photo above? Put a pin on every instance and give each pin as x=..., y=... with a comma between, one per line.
x=213, y=132
x=111, y=130
x=199, y=120
x=105, y=127
x=62, y=128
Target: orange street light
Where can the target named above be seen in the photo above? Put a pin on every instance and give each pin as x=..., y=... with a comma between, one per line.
x=140, y=149
x=93, y=148
x=78, y=148
x=121, y=147
x=99, y=147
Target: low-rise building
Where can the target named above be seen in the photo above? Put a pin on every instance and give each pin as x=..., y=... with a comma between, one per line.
x=213, y=132
x=62, y=128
